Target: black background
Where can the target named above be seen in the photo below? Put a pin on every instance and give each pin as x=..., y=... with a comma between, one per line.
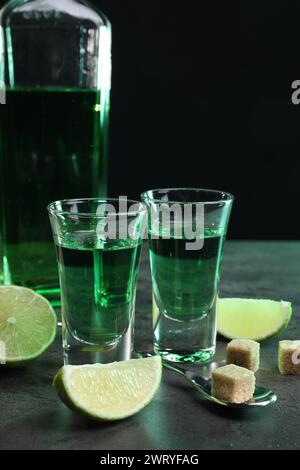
x=201, y=97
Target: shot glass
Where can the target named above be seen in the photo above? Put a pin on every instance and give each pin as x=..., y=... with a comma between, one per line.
x=187, y=230
x=98, y=245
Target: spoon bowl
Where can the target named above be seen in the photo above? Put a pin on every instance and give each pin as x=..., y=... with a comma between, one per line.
x=202, y=383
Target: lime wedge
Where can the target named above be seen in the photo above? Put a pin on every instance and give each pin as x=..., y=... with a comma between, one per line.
x=27, y=325
x=109, y=392
x=252, y=319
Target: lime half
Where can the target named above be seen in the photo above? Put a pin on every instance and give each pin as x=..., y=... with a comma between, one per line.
x=252, y=319
x=27, y=325
x=109, y=392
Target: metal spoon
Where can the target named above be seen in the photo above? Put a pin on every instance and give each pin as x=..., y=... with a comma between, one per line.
x=262, y=396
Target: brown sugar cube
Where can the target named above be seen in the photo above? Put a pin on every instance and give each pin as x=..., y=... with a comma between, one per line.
x=233, y=384
x=244, y=353
x=289, y=357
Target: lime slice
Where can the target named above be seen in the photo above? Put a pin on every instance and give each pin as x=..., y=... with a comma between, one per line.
x=252, y=319
x=27, y=325
x=109, y=392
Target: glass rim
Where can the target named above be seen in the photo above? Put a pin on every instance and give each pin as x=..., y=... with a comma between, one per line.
x=142, y=208
x=229, y=197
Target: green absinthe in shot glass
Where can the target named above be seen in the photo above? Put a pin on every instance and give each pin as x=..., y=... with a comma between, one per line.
x=98, y=289
x=185, y=282
x=186, y=270
x=185, y=287
x=98, y=246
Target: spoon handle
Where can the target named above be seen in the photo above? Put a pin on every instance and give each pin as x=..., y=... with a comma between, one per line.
x=200, y=388
x=178, y=370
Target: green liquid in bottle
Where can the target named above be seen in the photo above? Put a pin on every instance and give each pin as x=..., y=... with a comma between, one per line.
x=53, y=145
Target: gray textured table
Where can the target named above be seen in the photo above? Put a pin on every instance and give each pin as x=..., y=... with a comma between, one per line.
x=32, y=417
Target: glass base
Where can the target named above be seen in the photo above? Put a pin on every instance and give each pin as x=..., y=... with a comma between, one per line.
x=76, y=353
x=200, y=357
x=79, y=356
